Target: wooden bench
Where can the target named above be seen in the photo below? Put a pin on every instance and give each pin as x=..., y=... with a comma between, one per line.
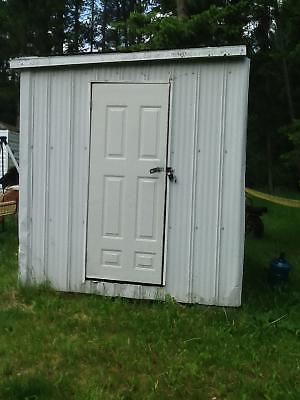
x=8, y=203
x=8, y=208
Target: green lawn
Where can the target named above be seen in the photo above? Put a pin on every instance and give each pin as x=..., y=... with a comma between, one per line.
x=66, y=346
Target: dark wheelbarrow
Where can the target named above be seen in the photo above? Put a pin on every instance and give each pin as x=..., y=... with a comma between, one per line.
x=253, y=219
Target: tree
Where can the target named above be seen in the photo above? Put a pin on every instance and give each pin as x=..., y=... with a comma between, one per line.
x=74, y=26
x=272, y=96
x=36, y=29
x=116, y=32
x=217, y=24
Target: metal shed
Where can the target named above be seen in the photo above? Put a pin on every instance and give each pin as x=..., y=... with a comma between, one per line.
x=132, y=173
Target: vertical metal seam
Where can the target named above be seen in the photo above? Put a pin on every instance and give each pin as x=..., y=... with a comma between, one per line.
x=31, y=170
x=194, y=187
x=30, y=163
x=86, y=207
x=71, y=174
x=220, y=183
x=28, y=132
x=167, y=186
x=244, y=160
x=47, y=172
x=85, y=221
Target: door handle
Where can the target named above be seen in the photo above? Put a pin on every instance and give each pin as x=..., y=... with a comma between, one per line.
x=155, y=170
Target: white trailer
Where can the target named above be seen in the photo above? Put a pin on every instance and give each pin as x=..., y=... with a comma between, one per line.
x=12, y=138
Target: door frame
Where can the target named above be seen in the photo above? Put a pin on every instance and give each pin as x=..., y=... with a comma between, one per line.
x=167, y=184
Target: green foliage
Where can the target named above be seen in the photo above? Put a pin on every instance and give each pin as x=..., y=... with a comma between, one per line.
x=212, y=27
x=26, y=28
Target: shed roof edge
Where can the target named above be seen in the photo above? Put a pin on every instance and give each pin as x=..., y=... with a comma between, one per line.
x=103, y=58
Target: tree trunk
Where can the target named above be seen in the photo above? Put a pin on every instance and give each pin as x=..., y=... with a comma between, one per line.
x=124, y=19
x=60, y=32
x=269, y=163
x=76, y=28
x=181, y=9
x=92, y=32
x=285, y=71
x=104, y=26
x=288, y=91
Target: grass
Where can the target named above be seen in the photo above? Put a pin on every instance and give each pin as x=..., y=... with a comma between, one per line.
x=85, y=347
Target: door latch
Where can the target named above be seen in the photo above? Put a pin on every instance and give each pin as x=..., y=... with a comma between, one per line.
x=171, y=175
x=169, y=172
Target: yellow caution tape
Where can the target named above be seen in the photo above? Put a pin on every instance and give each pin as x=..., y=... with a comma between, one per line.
x=273, y=199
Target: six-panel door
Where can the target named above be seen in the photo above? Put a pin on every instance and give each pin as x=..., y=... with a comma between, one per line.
x=127, y=204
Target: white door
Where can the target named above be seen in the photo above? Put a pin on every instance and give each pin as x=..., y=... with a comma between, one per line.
x=127, y=203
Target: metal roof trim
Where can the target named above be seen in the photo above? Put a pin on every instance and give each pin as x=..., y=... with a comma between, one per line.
x=104, y=58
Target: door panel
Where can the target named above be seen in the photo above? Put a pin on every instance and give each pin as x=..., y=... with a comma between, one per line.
x=126, y=209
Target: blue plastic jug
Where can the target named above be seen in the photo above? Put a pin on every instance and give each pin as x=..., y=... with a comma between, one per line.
x=279, y=269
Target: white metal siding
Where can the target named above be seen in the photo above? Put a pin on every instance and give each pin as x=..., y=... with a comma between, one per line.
x=208, y=118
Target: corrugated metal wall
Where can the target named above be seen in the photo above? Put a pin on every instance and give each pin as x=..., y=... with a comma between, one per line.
x=206, y=205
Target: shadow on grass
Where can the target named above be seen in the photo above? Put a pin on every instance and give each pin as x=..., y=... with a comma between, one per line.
x=30, y=388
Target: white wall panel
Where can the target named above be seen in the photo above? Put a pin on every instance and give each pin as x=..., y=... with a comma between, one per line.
x=181, y=195
x=233, y=198
x=79, y=149
x=26, y=269
x=60, y=129
x=40, y=190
